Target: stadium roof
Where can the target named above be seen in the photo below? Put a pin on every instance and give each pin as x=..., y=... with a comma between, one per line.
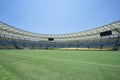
x=9, y=30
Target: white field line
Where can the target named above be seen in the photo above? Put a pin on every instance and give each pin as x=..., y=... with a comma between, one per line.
x=88, y=63
x=65, y=60
x=22, y=61
x=17, y=62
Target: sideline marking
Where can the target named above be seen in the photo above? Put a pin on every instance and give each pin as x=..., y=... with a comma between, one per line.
x=89, y=63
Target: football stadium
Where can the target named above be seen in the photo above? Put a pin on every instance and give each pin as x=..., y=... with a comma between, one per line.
x=88, y=55
x=59, y=40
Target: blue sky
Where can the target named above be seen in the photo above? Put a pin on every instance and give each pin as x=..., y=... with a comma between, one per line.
x=58, y=16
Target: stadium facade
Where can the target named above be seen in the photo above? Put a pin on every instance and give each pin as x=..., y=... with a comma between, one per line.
x=102, y=38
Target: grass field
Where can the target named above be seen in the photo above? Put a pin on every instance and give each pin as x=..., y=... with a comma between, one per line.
x=59, y=65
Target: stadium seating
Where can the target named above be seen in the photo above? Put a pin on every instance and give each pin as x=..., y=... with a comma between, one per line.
x=101, y=38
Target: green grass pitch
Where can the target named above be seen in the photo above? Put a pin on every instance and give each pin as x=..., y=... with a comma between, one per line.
x=59, y=65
